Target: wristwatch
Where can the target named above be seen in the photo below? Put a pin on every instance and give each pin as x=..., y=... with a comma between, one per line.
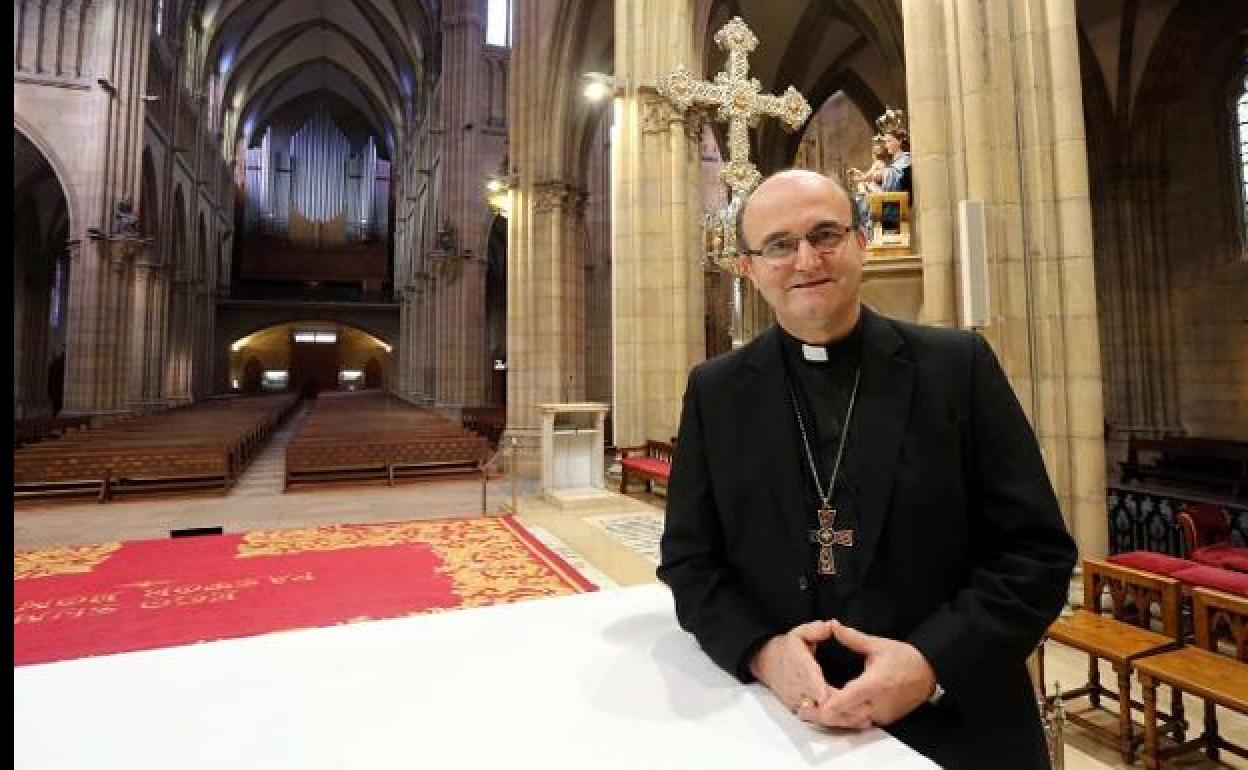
x=938, y=692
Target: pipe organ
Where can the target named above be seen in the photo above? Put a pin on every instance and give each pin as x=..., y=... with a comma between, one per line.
x=314, y=188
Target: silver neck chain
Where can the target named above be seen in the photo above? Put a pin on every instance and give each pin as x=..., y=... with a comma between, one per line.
x=826, y=497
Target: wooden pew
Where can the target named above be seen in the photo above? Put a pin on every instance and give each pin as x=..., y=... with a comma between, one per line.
x=375, y=436
x=1217, y=464
x=1115, y=624
x=1221, y=621
x=205, y=445
x=650, y=462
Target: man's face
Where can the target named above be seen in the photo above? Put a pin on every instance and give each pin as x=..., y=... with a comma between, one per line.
x=809, y=290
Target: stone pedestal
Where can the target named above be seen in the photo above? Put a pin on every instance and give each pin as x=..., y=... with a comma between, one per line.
x=572, y=455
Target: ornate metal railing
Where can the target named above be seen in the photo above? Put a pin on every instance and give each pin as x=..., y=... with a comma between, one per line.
x=1145, y=519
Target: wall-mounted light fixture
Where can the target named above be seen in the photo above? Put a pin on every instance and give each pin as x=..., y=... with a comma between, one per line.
x=498, y=192
x=597, y=86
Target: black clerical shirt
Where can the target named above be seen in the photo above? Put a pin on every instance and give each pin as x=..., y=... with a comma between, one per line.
x=823, y=389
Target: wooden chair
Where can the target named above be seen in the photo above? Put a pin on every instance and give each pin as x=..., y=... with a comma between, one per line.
x=1221, y=680
x=1120, y=637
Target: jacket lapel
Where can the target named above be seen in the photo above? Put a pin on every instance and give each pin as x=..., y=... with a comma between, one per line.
x=883, y=413
x=763, y=399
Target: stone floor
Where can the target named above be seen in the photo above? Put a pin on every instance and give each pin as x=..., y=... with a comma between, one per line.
x=613, y=544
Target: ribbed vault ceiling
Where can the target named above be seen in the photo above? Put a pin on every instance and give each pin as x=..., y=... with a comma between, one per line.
x=373, y=55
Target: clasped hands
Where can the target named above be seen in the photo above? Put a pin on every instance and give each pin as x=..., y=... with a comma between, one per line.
x=895, y=680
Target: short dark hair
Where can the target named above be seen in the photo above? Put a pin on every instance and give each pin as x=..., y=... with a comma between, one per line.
x=855, y=214
x=903, y=136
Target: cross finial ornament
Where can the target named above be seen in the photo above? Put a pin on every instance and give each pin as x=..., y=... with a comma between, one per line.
x=827, y=536
x=740, y=104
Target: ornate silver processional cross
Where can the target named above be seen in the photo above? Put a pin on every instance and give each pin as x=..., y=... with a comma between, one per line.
x=740, y=105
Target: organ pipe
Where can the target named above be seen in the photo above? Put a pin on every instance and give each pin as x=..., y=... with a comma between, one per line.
x=315, y=172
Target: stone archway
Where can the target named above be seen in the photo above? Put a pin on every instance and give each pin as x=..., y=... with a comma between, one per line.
x=307, y=354
x=496, y=312
x=40, y=281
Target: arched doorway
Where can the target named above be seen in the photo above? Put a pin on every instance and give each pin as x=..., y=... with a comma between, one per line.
x=40, y=282
x=496, y=312
x=309, y=356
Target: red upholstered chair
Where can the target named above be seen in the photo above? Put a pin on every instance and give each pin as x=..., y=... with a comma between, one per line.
x=1151, y=561
x=1206, y=532
x=1205, y=576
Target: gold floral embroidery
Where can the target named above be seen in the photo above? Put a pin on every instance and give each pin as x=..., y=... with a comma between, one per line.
x=487, y=561
x=63, y=560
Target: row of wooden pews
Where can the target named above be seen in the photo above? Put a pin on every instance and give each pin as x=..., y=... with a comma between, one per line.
x=373, y=435
x=32, y=430
x=203, y=445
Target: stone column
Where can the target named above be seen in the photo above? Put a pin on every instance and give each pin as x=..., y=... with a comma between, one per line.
x=142, y=331
x=427, y=335
x=657, y=282
x=545, y=308
x=461, y=197
x=157, y=344
x=206, y=320
x=935, y=120
x=81, y=328
x=115, y=322
x=177, y=381
x=405, y=381
x=979, y=134
x=97, y=335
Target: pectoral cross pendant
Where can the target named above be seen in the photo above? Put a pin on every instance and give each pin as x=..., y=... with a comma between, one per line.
x=825, y=537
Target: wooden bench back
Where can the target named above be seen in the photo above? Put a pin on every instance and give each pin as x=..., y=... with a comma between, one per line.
x=660, y=450
x=117, y=465
x=1219, y=616
x=1135, y=595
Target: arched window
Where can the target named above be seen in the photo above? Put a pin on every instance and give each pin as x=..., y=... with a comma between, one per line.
x=498, y=23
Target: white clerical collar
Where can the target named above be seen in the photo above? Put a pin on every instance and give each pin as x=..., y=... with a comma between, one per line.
x=814, y=352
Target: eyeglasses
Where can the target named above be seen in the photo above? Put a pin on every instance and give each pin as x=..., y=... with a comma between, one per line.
x=824, y=239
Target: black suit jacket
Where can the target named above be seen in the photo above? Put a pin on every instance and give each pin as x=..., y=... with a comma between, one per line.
x=962, y=548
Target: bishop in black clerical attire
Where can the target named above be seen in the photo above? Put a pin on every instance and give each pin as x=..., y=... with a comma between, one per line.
x=859, y=516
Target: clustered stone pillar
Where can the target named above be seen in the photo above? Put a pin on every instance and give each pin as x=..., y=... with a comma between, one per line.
x=657, y=288
x=461, y=364
x=978, y=135
x=145, y=334
x=100, y=294
x=406, y=379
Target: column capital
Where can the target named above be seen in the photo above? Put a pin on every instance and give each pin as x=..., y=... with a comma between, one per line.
x=657, y=113
x=556, y=193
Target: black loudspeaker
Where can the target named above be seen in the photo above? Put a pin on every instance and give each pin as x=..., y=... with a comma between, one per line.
x=195, y=531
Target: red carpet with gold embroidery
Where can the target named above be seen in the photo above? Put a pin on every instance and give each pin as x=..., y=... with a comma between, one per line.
x=77, y=601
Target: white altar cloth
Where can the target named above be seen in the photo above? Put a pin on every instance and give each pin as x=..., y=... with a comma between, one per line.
x=598, y=681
